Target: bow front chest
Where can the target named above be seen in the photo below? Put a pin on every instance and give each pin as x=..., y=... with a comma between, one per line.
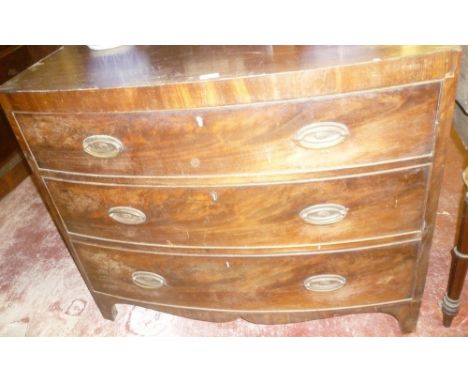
x=277, y=183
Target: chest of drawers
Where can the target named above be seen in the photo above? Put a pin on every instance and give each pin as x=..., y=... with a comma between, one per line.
x=276, y=184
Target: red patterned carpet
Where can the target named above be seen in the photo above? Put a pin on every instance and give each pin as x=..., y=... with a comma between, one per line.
x=42, y=293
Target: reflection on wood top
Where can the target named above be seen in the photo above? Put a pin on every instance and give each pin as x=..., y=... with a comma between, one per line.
x=78, y=67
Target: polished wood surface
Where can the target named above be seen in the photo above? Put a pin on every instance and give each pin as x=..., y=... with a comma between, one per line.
x=444, y=121
x=378, y=205
x=255, y=138
x=79, y=73
x=255, y=284
x=78, y=68
x=405, y=311
x=218, y=178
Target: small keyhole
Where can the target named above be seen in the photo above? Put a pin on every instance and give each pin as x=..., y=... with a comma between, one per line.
x=199, y=120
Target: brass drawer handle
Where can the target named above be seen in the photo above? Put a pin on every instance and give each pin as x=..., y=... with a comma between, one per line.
x=102, y=146
x=324, y=283
x=127, y=215
x=148, y=280
x=321, y=135
x=321, y=214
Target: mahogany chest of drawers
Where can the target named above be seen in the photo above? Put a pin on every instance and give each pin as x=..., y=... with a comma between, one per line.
x=276, y=184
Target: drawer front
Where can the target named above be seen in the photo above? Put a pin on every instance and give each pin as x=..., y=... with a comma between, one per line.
x=258, y=283
x=269, y=215
x=289, y=136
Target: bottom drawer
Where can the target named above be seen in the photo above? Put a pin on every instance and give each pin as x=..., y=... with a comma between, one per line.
x=319, y=281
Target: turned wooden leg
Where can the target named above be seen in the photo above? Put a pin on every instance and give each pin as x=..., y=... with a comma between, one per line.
x=458, y=267
x=451, y=300
x=107, y=308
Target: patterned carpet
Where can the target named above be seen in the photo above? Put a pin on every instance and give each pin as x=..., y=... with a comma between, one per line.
x=42, y=293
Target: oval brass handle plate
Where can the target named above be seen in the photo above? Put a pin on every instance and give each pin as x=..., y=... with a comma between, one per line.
x=324, y=283
x=127, y=215
x=148, y=280
x=321, y=214
x=321, y=135
x=102, y=146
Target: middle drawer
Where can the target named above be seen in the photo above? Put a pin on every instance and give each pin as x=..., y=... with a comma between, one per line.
x=324, y=211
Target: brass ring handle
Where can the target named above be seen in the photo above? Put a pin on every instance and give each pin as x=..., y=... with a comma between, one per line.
x=127, y=215
x=321, y=135
x=102, y=146
x=322, y=214
x=324, y=283
x=148, y=280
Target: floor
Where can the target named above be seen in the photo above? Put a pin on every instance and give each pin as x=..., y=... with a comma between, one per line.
x=42, y=293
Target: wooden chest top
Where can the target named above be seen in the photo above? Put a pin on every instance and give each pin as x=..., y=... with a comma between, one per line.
x=141, y=78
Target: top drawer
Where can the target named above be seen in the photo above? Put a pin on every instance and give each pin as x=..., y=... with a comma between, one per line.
x=277, y=137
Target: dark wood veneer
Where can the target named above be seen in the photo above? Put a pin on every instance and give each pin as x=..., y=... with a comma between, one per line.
x=397, y=101
x=379, y=205
x=255, y=284
x=255, y=138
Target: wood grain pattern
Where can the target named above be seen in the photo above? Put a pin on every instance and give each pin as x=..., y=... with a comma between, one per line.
x=241, y=179
x=444, y=124
x=382, y=204
x=255, y=138
x=401, y=194
x=304, y=249
x=405, y=311
x=77, y=67
x=91, y=83
x=255, y=284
